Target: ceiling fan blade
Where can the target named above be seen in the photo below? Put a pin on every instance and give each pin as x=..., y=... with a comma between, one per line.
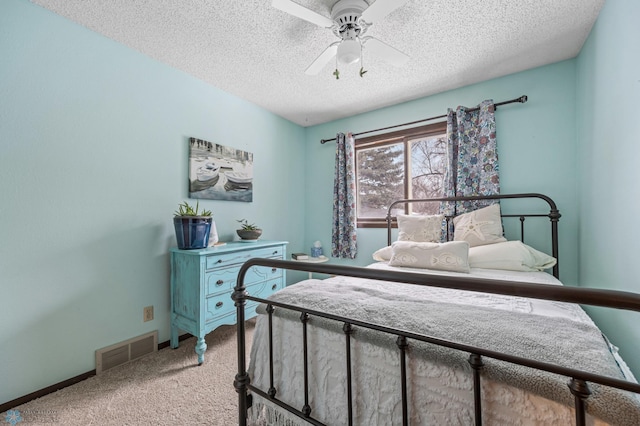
x=301, y=12
x=322, y=60
x=384, y=51
x=381, y=8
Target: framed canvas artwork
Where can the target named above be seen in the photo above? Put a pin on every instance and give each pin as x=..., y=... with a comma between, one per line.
x=219, y=172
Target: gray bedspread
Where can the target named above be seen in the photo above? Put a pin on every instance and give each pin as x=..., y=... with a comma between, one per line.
x=562, y=335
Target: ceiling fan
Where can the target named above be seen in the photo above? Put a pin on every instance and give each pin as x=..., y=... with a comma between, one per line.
x=349, y=21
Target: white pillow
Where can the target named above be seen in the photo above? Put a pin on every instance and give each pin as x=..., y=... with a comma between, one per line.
x=451, y=256
x=510, y=255
x=383, y=254
x=479, y=227
x=420, y=228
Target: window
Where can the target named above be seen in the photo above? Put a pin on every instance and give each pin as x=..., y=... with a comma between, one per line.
x=404, y=164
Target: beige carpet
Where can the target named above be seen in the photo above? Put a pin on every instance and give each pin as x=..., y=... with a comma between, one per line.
x=164, y=388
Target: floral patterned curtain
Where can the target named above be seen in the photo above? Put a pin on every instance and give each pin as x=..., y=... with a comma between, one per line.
x=343, y=240
x=472, y=156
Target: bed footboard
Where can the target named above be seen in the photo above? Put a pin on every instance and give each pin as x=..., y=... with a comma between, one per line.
x=578, y=380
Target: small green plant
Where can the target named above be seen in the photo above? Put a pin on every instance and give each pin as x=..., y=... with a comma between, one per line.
x=185, y=209
x=246, y=226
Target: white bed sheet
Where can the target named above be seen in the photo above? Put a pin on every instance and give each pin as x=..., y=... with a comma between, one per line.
x=444, y=391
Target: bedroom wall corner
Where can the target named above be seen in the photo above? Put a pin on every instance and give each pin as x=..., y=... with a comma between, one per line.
x=608, y=89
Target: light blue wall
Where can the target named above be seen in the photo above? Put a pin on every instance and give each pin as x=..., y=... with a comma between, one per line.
x=536, y=148
x=608, y=132
x=93, y=163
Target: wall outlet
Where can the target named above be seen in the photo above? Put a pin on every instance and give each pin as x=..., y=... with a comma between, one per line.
x=148, y=313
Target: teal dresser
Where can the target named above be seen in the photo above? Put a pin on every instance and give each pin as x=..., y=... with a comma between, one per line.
x=202, y=282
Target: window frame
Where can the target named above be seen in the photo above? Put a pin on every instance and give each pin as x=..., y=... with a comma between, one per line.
x=392, y=138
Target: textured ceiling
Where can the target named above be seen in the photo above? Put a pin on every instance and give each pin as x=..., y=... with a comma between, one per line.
x=259, y=53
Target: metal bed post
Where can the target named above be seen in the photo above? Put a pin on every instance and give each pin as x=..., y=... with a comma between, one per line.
x=476, y=363
x=580, y=390
x=554, y=216
x=242, y=379
x=389, y=227
x=306, y=409
x=272, y=389
x=347, y=331
x=402, y=345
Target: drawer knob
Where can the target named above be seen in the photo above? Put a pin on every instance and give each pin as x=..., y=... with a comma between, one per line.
x=219, y=282
x=274, y=269
x=219, y=305
x=219, y=261
x=273, y=287
x=275, y=252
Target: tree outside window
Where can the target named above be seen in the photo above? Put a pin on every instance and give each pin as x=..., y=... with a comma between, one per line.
x=393, y=166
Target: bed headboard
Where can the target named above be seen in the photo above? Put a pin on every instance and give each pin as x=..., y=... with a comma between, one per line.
x=553, y=215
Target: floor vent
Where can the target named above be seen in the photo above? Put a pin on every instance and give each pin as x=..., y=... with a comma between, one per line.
x=126, y=351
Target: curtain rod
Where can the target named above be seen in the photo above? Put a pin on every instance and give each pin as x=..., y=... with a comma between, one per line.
x=522, y=99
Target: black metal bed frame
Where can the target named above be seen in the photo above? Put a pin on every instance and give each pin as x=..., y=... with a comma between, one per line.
x=578, y=383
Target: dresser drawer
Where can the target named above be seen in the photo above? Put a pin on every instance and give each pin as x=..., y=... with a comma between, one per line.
x=261, y=273
x=240, y=257
x=263, y=290
x=221, y=280
x=225, y=279
x=219, y=305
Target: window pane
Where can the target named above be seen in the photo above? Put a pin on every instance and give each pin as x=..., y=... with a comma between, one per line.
x=427, y=172
x=402, y=164
x=380, y=173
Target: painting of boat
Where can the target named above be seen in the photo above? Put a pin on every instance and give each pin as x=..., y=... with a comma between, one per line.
x=206, y=177
x=238, y=181
x=219, y=172
x=239, y=177
x=208, y=172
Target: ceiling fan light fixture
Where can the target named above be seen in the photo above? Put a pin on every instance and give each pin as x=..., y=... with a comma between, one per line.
x=349, y=52
x=349, y=21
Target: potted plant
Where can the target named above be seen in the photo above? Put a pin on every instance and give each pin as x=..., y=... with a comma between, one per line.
x=248, y=231
x=192, y=226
